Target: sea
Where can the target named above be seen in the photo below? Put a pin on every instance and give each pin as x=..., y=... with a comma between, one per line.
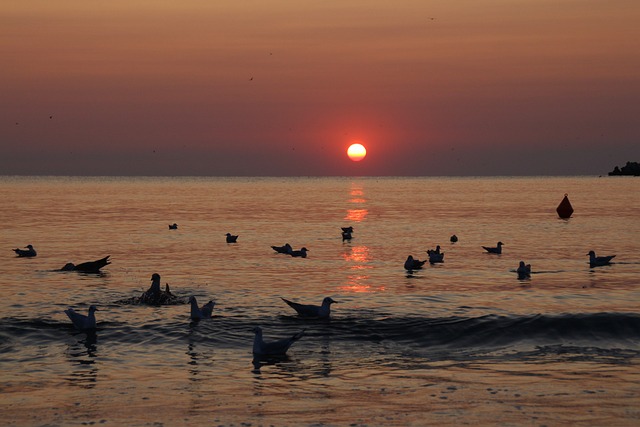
x=463, y=342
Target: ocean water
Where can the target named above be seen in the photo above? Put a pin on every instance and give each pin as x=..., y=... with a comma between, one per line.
x=462, y=342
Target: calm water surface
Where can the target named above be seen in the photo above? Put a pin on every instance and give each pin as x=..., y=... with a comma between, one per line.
x=456, y=343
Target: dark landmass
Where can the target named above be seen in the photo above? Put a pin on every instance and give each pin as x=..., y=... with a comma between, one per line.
x=630, y=169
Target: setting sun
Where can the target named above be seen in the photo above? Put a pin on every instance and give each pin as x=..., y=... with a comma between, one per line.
x=356, y=152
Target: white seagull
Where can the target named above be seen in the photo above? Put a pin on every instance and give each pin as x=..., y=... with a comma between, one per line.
x=596, y=261
x=273, y=348
x=198, y=313
x=308, y=310
x=82, y=322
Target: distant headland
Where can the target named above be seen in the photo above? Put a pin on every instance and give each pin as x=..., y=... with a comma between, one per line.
x=631, y=168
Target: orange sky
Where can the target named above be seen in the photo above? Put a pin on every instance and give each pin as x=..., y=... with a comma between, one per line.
x=223, y=87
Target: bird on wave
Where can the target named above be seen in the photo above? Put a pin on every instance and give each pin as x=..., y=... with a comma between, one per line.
x=302, y=253
x=87, y=267
x=231, y=238
x=273, y=348
x=597, y=261
x=26, y=253
x=524, y=270
x=154, y=295
x=308, y=310
x=83, y=322
x=285, y=249
x=198, y=313
x=413, y=264
x=435, y=256
x=494, y=250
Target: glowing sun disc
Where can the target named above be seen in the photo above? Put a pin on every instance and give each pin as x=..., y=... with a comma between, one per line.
x=356, y=152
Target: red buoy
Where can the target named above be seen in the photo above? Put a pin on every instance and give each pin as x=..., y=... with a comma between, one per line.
x=565, y=209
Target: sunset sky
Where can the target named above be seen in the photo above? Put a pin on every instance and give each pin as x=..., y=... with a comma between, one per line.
x=283, y=87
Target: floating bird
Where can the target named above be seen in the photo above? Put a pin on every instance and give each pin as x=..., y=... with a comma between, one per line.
x=347, y=229
x=273, y=348
x=173, y=226
x=154, y=295
x=87, y=267
x=302, y=253
x=435, y=256
x=231, y=238
x=346, y=236
x=597, y=261
x=523, y=270
x=198, y=313
x=29, y=252
x=496, y=250
x=453, y=238
x=82, y=322
x=307, y=310
x=285, y=249
x=413, y=264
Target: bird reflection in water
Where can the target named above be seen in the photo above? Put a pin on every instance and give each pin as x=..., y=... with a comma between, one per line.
x=83, y=356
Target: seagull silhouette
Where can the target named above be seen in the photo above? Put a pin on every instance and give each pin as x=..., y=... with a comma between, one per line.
x=29, y=252
x=198, y=313
x=308, y=310
x=273, y=348
x=82, y=322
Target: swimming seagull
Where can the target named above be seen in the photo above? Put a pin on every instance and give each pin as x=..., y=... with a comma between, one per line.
x=413, y=264
x=453, y=238
x=154, y=295
x=273, y=348
x=523, y=270
x=308, y=310
x=87, y=267
x=29, y=252
x=347, y=229
x=435, y=256
x=286, y=249
x=496, y=250
x=173, y=226
x=597, y=261
x=198, y=313
x=302, y=253
x=231, y=238
x=82, y=322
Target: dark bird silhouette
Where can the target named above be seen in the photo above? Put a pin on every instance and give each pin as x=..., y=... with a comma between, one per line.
x=453, y=238
x=285, y=249
x=302, y=253
x=435, y=256
x=413, y=264
x=347, y=229
x=496, y=250
x=231, y=238
x=87, y=267
x=597, y=261
x=524, y=270
x=308, y=310
x=154, y=295
x=173, y=226
x=346, y=236
x=273, y=348
x=26, y=253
